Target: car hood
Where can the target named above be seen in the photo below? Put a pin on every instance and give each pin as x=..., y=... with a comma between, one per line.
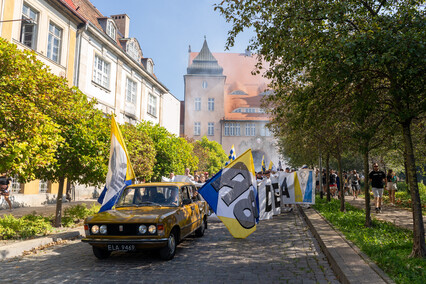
x=147, y=214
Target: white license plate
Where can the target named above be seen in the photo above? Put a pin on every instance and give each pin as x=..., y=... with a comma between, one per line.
x=121, y=247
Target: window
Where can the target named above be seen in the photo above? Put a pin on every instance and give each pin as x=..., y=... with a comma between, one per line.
x=204, y=84
x=232, y=129
x=239, y=92
x=15, y=186
x=133, y=51
x=210, y=129
x=211, y=104
x=110, y=30
x=197, y=104
x=130, y=91
x=250, y=129
x=152, y=105
x=42, y=186
x=29, y=27
x=101, y=72
x=197, y=128
x=54, y=42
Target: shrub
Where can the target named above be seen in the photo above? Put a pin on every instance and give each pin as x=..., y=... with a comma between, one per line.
x=25, y=227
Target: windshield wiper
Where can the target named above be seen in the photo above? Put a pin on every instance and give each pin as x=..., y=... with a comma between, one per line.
x=148, y=203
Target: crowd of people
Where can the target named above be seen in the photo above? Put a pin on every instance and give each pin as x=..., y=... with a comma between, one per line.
x=352, y=184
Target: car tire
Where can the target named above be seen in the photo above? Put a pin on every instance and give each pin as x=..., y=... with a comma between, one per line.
x=200, y=231
x=100, y=253
x=169, y=251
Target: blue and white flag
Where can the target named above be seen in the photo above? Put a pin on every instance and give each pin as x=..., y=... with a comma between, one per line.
x=120, y=170
x=231, y=156
x=232, y=194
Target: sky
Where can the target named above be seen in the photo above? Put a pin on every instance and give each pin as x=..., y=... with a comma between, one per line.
x=166, y=28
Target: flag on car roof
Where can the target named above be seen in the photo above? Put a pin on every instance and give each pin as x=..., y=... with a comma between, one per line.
x=120, y=170
x=232, y=194
x=231, y=156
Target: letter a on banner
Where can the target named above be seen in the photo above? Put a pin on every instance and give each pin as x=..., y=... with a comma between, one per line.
x=232, y=195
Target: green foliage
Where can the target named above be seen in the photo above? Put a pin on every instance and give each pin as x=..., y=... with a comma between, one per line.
x=211, y=156
x=384, y=243
x=141, y=151
x=28, y=136
x=25, y=227
x=173, y=154
x=77, y=213
x=48, y=130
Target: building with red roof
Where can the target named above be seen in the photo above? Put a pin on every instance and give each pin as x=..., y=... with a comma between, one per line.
x=223, y=101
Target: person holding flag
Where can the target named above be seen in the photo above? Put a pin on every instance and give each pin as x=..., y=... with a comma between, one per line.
x=231, y=156
x=120, y=170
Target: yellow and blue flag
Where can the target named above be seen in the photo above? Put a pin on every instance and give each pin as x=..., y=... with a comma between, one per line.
x=232, y=194
x=263, y=164
x=231, y=156
x=120, y=170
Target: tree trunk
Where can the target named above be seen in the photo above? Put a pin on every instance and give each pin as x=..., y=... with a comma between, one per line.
x=58, y=214
x=341, y=183
x=367, y=190
x=406, y=171
x=419, y=248
x=327, y=176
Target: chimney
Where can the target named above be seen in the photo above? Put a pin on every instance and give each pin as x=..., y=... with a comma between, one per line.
x=122, y=21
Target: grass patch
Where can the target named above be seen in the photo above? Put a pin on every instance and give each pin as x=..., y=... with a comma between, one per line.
x=32, y=225
x=387, y=245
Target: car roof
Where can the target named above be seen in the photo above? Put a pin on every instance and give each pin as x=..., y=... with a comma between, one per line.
x=148, y=184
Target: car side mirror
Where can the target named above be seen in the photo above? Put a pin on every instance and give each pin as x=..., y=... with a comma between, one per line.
x=186, y=201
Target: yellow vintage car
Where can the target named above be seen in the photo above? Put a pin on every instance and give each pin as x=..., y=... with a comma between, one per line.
x=146, y=216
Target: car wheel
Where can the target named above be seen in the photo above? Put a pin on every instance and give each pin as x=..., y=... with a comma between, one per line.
x=200, y=231
x=100, y=253
x=168, y=252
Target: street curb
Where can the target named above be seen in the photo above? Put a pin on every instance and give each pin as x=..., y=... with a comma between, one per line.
x=18, y=248
x=340, y=252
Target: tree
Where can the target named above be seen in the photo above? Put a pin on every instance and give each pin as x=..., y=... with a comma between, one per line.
x=381, y=41
x=141, y=151
x=28, y=137
x=211, y=156
x=173, y=154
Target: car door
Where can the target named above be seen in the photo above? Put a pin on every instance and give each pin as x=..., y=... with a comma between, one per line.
x=188, y=209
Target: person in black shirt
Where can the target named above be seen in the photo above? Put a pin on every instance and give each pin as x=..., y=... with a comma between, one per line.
x=378, y=180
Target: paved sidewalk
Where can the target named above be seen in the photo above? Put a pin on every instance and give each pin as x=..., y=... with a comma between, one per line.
x=346, y=260
x=398, y=216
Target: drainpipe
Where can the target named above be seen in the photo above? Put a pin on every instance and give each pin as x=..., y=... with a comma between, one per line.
x=82, y=28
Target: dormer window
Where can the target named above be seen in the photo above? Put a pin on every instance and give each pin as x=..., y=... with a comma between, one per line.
x=110, y=29
x=150, y=67
x=239, y=92
x=132, y=50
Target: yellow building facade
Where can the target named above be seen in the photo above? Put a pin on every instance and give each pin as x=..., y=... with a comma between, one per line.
x=48, y=28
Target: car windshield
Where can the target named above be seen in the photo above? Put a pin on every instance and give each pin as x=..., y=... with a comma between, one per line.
x=149, y=196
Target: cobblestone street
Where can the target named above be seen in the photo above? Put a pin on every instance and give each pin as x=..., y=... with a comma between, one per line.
x=281, y=250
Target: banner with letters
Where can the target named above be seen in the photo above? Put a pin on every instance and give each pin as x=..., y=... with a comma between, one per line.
x=232, y=195
x=269, y=197
x=297, y=187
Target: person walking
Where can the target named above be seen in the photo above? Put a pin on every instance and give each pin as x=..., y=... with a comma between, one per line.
x=377, y=179
x=391, y=186
x=4, y=190
x=355, y=184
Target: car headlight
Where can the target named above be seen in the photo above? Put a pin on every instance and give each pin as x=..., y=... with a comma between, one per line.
x=152, y=229
x=103, y=229
x=95, y=229
x=142, y=229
